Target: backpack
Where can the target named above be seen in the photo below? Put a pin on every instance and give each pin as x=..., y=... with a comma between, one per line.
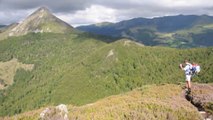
x=195, y=69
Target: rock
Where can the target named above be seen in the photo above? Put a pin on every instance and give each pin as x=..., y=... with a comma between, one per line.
x=59, y=112
x=44, y=113
x=63, y=111
x=202, y=98
x=111, y=53
x=202, y=94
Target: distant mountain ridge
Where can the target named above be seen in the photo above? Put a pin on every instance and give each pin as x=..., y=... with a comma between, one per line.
x=42, y=20
x=1, y=26
x=173, y=31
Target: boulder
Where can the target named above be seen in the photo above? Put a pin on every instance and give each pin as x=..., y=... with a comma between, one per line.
x=59, y=112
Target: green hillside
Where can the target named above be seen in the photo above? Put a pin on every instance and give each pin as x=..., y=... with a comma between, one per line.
x=181, y=31
x=79, y=69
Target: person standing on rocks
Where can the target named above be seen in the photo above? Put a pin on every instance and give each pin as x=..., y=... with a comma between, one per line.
x=187, y=68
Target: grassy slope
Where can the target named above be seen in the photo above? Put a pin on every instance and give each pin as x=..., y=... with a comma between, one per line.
x=156, y=102
x=8, y=71
x=77, y=69
x=52, y=55
x=149, y=102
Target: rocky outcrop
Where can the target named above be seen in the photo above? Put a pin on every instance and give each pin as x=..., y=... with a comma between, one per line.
x=202, y=98
x=59, y=112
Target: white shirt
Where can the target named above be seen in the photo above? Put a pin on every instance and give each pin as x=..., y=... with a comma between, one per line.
x=187, y=68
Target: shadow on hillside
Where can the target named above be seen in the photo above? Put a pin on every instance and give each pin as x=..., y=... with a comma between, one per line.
x=103, y=38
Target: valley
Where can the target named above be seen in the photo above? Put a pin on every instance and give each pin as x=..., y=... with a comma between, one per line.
x=180, y=31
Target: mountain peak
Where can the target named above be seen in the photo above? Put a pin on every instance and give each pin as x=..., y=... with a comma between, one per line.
x=42, y=20
x=43, y=8
x=42, y=11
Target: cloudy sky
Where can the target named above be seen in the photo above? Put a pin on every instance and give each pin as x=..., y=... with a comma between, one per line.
x=81, y=12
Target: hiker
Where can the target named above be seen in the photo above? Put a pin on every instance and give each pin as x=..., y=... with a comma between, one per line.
x=187, y=68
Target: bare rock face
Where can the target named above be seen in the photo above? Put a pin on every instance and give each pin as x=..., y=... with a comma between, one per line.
x=202, y=98
x=202, y=94
x=60, y=112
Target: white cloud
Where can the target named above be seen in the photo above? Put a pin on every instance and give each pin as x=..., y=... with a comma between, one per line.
x=10, y=17
x=186, y=3
x=78, y=12
x=93, y=14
